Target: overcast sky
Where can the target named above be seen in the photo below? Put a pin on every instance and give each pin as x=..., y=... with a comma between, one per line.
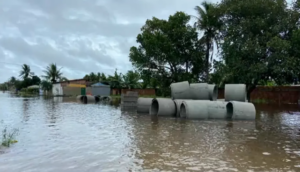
x=82, y=36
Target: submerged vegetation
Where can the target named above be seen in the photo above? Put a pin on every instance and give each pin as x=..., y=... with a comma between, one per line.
x=8, y=137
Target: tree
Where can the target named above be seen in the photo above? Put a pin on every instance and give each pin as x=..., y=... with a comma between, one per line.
x=208, y=21
x=168, y=48
x=131, y=79
x=52, y=73
x=35, y=80
x=256, y=41
x=25, y=72
x=116, y=80
x=46, y=85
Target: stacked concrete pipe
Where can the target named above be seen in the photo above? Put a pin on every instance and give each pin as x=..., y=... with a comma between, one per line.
x=90, y=99
x=180, y=90
x=163, y=107
x=241, y=110
x=194, y=109
x=235, y=92
x=144, y=104
x=199, y=91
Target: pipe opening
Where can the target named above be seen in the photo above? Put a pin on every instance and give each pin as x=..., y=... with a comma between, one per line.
x=97, y=98
x=229, y=108
x=154, y=107
x=182, y=111
x=84, y=99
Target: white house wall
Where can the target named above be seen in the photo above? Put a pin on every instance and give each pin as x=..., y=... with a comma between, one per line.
x=57, y=90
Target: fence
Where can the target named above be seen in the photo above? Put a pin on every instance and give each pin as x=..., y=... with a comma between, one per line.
x=143, y=92
x=273, y=94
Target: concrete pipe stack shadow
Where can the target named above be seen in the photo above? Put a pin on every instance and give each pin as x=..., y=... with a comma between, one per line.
x=199, y=101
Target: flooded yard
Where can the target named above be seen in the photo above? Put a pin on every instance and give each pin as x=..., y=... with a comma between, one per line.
x=60, y=135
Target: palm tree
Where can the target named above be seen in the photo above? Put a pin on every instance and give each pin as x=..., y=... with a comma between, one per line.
x=131, y=79
x=208, y=22
x=52, y=73
x=25, y=72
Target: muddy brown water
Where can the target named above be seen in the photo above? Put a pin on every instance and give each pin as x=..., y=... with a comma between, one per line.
x=59, y=134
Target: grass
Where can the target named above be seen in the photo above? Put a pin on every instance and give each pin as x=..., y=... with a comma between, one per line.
x=8, y=137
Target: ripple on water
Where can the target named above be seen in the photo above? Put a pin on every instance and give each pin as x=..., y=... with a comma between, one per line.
x=55, y=135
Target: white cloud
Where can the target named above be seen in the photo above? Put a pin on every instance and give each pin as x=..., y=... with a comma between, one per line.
x=82, y=36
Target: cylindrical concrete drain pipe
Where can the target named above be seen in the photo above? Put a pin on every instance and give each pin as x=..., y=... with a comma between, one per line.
x=90, y=99
x=213, y=92
x=178, y=103
x=241, y=110
x=199, y=91
x=144, y=104
x=180, y=90
x=163, y=107
x=217, y=110
x=194, y=109
x=235, y=92
x=79, y=98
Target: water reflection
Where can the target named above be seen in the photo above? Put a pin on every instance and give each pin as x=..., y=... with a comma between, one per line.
x=63, y=135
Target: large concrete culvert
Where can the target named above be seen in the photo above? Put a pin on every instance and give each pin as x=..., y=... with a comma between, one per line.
x=180, y=90
x=199, y=91
x=90, y=99
x=217, y=110
x=144, y=104
x=178, y=103
x=241, y=110
x=163, y=107
x=194, y=109
x=235, y=92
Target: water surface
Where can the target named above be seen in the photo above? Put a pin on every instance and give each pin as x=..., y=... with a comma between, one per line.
x=59, y=134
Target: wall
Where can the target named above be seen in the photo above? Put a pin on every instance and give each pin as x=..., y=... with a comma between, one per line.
x=71, y=91
x=278, y=94
x=76, y=81
x=148, y=91
x=275, y=94
x=101, y=90
x=57, y=90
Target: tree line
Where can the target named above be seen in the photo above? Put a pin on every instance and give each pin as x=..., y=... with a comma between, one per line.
x=257, y=42
x=51, y=75
x=129, y=80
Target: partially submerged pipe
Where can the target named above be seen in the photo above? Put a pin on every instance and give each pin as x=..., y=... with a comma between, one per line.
x=144, y=104
x=199, y=91
x=217, y=110
x=178, y=103
x=180, y=90
x=213, y=92
x=90, y=99
x=163, y=107
x=235, y=92
x=194, y=109
x=241, y=110
x=80, y=98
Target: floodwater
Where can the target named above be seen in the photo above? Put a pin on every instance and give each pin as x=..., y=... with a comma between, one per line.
x=60, y=135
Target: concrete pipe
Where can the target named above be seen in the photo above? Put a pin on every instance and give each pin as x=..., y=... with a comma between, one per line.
x=199, y=91
x=90, y=99
x=213, y=92
x=144, y=104
x=194, y=109
x=97, y=98
x=235, y=92
x=178, y=103
x=241, y=110
x=180, y=90
x=80, y=98
x=217, y=110
x=163, y=107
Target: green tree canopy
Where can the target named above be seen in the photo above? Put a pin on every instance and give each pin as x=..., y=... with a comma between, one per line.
x=170, y=48
x=52, y=73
